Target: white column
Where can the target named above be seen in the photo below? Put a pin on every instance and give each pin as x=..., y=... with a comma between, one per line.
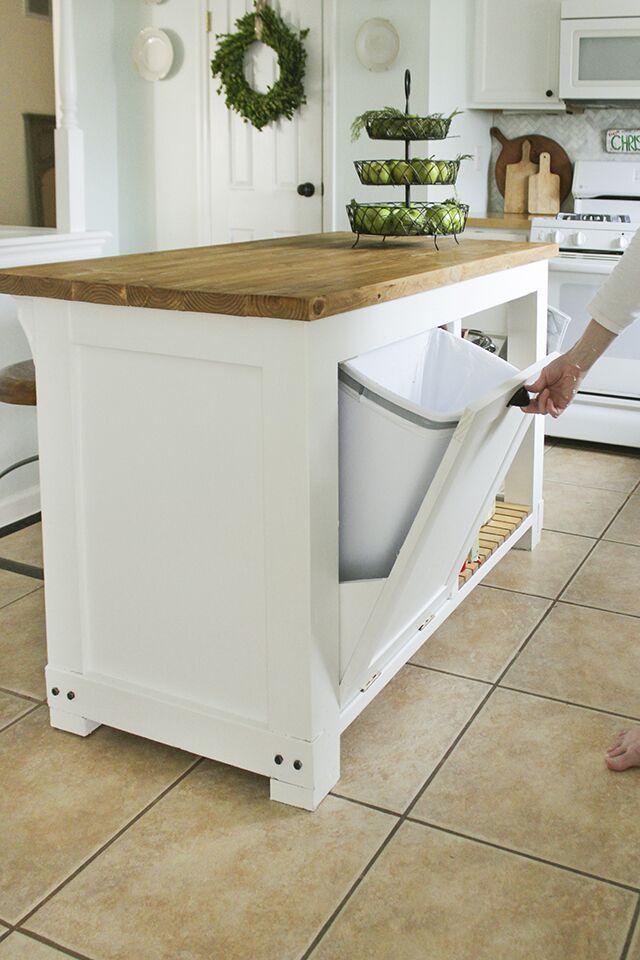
x=69, y=142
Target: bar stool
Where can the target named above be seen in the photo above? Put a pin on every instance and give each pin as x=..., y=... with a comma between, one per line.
x=18, y=386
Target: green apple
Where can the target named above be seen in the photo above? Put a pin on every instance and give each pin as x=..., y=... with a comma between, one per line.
x=401, y=172
x=445, y=217
x=378, y=172
x=406, y=220
x=371, y=218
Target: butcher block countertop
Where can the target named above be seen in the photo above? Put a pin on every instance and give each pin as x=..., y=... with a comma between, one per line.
x=502, y=221
x=294, y=278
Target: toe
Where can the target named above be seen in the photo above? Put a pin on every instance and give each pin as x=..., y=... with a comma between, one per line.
x=616, y=751
x=621, y=762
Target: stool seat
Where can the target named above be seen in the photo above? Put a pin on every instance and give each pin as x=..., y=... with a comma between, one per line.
x=18, y=384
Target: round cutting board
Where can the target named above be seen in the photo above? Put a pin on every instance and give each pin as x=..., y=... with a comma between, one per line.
x=512, y=153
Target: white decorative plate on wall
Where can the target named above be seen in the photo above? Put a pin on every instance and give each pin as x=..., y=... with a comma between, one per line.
x=377, y=44
x=152, y=54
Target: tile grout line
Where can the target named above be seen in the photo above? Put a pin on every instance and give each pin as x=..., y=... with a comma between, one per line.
x=22, y=716
x=22, y=696
x=573, y=603
x=28, y=593
x=448, y=673
x=352, y=889
x=406, y=816
x=525, y=856
x=570, y=703
x=496, y=846
x=108, y=843
x=66, y=951
x=400, y=820
x=631, y=931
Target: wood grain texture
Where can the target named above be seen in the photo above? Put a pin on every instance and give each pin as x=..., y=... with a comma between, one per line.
x=516, y=189
x=18, y=384
x=506, y=518
x=544, y=188
x=502, y=221
x=293, y=278
x=512, y=151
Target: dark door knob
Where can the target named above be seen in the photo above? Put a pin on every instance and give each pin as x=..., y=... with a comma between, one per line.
x=306, y=189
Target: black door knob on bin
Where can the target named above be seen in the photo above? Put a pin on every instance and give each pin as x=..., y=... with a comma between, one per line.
x=306, y=189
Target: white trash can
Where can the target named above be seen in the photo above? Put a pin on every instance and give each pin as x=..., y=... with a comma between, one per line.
x=398, y=408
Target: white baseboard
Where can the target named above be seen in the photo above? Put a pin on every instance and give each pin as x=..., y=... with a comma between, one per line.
x=19, y=506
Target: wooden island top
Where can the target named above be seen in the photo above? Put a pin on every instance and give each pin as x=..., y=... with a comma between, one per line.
x=295, y=278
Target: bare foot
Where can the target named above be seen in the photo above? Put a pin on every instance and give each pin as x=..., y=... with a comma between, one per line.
x=624, y=752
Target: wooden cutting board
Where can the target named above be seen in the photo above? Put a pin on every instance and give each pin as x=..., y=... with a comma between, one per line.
x=544, y=188
x=512, y=151
x=516, y=190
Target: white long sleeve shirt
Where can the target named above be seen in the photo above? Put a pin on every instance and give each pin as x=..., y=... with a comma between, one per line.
x=617, y=302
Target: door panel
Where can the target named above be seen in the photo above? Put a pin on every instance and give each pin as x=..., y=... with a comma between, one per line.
x=255, y=174
x=425, y=574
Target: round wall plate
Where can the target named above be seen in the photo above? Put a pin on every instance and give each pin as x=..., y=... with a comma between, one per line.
x=152, y=54
x=377, y=44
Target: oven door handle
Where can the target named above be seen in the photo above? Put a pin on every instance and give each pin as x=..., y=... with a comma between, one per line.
x=583, y=265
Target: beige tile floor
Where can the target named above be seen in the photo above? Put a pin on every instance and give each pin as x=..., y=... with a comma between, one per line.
x=474, y=820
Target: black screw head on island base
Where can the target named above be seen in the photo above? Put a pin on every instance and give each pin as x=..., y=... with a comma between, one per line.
x=71, y=695
x=278, y=759
x=297, y=764
x=55, y=691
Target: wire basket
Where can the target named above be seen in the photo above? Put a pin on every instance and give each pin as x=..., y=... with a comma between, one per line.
x=434, y=127
x=398, y=220
x=402, y=172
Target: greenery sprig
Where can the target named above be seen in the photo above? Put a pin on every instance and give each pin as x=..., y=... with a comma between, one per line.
x=287, y=93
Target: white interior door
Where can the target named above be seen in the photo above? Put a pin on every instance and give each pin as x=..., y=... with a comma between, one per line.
x=255, y=175
x=425, y=573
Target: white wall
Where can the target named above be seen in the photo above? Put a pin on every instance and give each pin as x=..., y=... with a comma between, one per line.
x=359, y=89
x=436, y=44
x=450, y=72
x=26, y=86
x=115, y=112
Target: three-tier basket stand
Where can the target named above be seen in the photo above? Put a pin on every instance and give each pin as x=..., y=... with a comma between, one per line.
x=407, y=218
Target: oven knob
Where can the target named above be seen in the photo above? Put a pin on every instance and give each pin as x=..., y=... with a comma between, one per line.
x=621, y=242
x=580, y=238
x=555, y=236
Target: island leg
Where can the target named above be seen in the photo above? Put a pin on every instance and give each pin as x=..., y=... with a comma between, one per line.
x=527, y=333
x=70, y=723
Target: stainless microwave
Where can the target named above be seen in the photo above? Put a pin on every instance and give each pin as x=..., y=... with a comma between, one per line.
x=600, y=50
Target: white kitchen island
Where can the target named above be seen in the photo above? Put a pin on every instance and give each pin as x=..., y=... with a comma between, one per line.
x=188, y=425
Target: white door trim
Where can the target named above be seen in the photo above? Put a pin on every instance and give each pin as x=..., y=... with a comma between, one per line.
x=203, y=133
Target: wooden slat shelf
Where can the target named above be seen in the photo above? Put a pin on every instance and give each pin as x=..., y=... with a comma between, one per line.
x=506, y=518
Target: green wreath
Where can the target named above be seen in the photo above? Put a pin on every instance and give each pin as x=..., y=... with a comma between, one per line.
x=287, y=93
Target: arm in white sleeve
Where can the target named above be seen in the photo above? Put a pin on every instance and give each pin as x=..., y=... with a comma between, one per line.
x=617, y=302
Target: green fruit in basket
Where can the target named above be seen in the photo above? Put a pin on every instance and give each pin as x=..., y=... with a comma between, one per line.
x=405, y=220
x=445, y=218
x=379, y=173
x=401, y=172
x=371, y=219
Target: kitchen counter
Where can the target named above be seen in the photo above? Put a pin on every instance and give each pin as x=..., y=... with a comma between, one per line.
x=296, y=278
x=189, y=439
x=501, y=221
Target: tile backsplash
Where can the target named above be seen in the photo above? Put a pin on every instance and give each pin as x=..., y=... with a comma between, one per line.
x=582, y=135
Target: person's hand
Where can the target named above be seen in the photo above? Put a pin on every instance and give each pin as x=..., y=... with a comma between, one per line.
x=556, y=386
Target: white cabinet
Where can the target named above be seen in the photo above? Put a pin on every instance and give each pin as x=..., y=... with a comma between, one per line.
x=516, y=55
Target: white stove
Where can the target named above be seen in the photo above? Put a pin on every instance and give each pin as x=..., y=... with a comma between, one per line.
x=592, y=239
